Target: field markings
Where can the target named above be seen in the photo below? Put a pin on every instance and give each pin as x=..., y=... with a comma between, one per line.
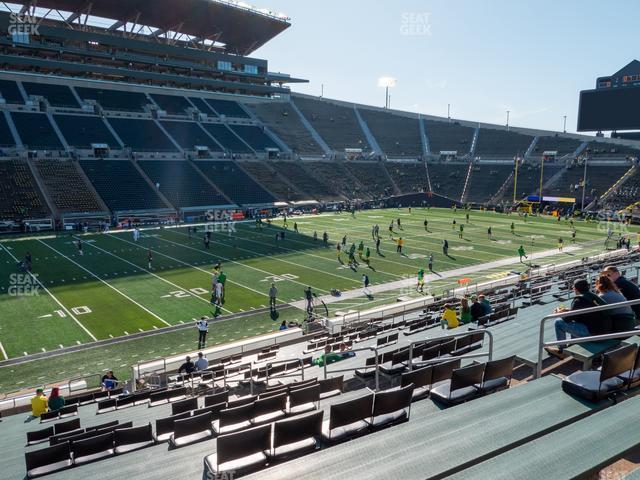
x=303, y=252
x=4, y=354
x=107, y=284
x=226, y=259
x=37, y=280
x=191, y=265
x=157, y=276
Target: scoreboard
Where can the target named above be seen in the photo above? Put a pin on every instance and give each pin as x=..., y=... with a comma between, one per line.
x=609, y=109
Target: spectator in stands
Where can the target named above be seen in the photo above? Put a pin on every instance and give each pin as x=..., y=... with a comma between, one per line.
x=283, y=325
x=477, y=309
x=187, y=367
x=486, y=305
x=109, y=381
x=449, y=317
x=465, y=311
x=331, y=357
x=39, y=403
x=626, y=287
x=202, y=363
x=585, y=325
x=56, y=401
x=623, y=319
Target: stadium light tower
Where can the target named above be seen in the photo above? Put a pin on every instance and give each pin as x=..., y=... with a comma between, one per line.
x=387, y=83
x=564, y=128
x=507, y=120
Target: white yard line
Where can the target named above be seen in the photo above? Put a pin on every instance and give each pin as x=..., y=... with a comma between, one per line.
x=155, y=275
x=188, y=264
x=54, y=298
x=107, y=284
x=4, y=354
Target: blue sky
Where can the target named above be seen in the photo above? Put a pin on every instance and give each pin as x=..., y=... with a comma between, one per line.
x=482, y=57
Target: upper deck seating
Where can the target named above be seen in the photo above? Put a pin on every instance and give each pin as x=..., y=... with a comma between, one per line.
x=172, y=104
x=397, y=136
x=285, y=122
x=502, y=142
x=83, y=130
x=228, y=108
x=56, y=95
x=255, y=137
x=226, y=138
x=337, y=125
x=562, y=145
x=36, y=131
x=141, y=135
x=119, y=100
x=189, y=135
x=449, y=137
x=203, y=106
x=10, y=92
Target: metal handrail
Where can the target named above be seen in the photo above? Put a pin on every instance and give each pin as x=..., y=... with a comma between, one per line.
x=268, y=365
x=488, y=354
x=361, y=349
x=574, y=341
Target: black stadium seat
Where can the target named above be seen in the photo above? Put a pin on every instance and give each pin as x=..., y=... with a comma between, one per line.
x=92, y=449
x=134, y=438
x=391, y=406
x=297, y=435
x=48, y=460
x=347, y=419
x=191, y=429
x=240, y=452
x=461, y=387
x=39, y=436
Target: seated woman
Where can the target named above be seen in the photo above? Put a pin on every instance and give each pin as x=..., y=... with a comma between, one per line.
x=465, y=311
x=56, y=401
x=623, y=319
x=449, y=317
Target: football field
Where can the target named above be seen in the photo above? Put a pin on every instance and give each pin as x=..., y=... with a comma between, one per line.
x=110, y=292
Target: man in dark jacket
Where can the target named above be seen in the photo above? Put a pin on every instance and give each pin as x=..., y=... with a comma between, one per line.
x=596, y=323
x=477, y=309
x=627, y=288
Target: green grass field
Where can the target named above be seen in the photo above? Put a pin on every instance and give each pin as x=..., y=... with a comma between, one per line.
x=109, y=291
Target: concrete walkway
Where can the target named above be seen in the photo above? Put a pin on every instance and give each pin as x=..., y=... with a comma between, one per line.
x=411, y=282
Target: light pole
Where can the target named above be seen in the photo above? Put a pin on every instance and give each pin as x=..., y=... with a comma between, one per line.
x=584, y=181
x=507, y=120
x=449, y=112
x=564, y=127
x=515, y=180
x=387, y=83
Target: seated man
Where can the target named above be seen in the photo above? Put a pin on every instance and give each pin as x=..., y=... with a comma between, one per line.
x=109, y=381
x=187, y=367
x=449, y=317
x=486, y=304
x=202, y=363
x=629, y=289
x=477, y=309
x=597, y=323
x=39, y=403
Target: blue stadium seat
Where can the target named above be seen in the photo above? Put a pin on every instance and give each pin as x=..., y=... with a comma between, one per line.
x=226, y=138
x=181, y=184
x=115, y=99
x=82, y=130
x=36, y=131
x=172, y=104
x=121, y=186
x=255, y=137
x=10, y=92
x=141, y=135
x=203, y=106
x=227, y=108
x=234, y=182
x=189, y=134
x=57, y=95
x=6, y=138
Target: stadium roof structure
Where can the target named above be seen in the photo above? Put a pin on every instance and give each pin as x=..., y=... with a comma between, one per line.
x=234, y=26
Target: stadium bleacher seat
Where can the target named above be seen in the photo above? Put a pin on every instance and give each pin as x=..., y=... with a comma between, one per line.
x=338, y=180
x=448, y=181
x=409, y=177
x=450, y=137
x=486, y=180
x=562, y=145
x=574, y=451
x=228, y=108
x=226, y=138
x=505, y=143
x=286, y=124
x=234, y=182
x=373, y=176
x=181, y=183
x=337, y=125
x=141, y=135
x=303, y=179
x=56, y=95
x=81, y=131
x=397, y=136
x=599, y=179
x=118, y=100
x=19, y=193
x=10, y=92
x=120, y=185
x=66, y=187
x=274, y=181
x=255, y=137
x=6, y=138
x=626, y=193
x=189, y=135
x=529, y=179
x=172, y=104
x=36, y=131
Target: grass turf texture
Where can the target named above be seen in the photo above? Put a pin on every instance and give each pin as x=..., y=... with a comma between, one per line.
x=110, y=292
